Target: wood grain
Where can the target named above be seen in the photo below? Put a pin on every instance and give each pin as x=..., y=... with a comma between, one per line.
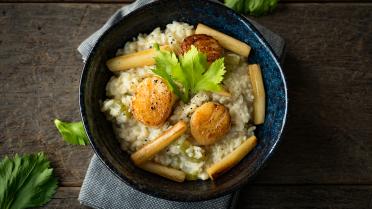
x=39, y=80
x=306, y=196
x=327, y=139
x=266, y=196
x=328, y=134
x=65, y=197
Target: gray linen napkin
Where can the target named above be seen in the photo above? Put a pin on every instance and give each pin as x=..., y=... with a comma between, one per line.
x=102, y=189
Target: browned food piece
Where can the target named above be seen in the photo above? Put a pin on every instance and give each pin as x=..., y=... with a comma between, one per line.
x=205, y=44
x=152, y=102
x=209, y=123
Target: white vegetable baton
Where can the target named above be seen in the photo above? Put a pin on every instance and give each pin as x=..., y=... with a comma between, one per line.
x=232, y=159
x=259, y=102
x=226, y=41
x=166, y=172
x=152, y=148
x=138, y=59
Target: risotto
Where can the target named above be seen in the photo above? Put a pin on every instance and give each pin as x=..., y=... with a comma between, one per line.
x=184, y=153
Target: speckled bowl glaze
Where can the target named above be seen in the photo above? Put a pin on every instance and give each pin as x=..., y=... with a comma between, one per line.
x=143, y=20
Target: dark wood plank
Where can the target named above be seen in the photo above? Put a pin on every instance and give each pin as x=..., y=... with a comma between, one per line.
x=328, y=71
x=314, y=197
x=39, y=80
x=65, y=197
x=263, y=197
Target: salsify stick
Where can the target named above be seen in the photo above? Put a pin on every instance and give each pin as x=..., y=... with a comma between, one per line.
x=255, y=76
x=224, y=40
x=152, y=148
x=137, y=59
x=164, y=171
x=232, y=159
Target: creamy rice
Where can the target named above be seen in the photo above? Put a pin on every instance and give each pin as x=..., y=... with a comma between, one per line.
x=181, y=154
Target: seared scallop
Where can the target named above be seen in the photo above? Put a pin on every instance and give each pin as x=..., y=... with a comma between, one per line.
x=152, y=102
x=205, y=44
x=209, y=123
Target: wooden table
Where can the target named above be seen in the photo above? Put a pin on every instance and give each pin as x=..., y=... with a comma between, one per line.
x=325, y=158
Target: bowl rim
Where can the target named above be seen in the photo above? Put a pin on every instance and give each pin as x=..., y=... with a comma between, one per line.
x=160, y=194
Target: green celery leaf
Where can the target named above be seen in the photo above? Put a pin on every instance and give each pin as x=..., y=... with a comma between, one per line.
x=237, y=5
x=168, y=62
x=190, y=70
x=252, y=7
x=73, y=133
x=26, y=181
x=259, y=7
x=193, y=65
x=169, y=68
x=232, y=3
x=171, y=84
x=211, y=79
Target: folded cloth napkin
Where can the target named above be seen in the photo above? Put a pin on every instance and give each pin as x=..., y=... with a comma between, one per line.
x=102, y=189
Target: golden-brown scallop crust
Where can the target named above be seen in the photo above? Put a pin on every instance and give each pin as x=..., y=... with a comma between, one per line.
x=205, y=44
x=209, y=123
x=152, y=102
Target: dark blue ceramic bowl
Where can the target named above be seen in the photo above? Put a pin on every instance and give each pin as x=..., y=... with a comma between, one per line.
x=96, y=75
